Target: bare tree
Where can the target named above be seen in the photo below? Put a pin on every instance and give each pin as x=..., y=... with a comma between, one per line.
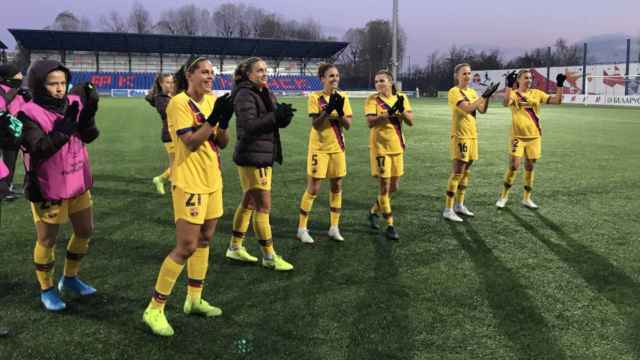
x=68, y=21
x=113, y=22
x=228, y=20
x=139, y=20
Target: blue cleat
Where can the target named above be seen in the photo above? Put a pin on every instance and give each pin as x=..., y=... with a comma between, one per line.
x=74, y=285
x=51, y=300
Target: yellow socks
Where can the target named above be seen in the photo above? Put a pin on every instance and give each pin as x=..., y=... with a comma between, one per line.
x=385, y=206
x=306, y=203
x=169, y=273
x=44, y=260
x=241, y=220
x=509, y=177
x=528, y=184
x=76, y=250
x=262, y=228
x=375, y=208
x=452, y=188
x=335, y=203
x=462, y=186
x=165, y=175
x=197, y=266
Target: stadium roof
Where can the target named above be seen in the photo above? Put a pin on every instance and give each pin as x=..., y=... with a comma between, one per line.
x=174, y=44
x=2, y=46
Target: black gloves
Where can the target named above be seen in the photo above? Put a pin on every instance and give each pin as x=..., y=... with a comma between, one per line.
x=228, y=112
x=336, y=102
x=490, y=90
x=90, y=99
x=68, y=125
x=511, y=79
x=25, y=93
x=10, y=131
x=399, y=105
x=560, y=79
x=222, y=111
x=284, y=114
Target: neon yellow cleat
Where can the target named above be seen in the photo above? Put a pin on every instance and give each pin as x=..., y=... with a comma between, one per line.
x=157, y=322
x=157, y=181
x=277, y=263
x=241, y=254
x=200, y=307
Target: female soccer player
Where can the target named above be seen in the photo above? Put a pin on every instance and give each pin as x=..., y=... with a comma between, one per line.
x=158, y=97
x=386, y=110
x=258, y=146
x=464, y=103
x=198, y=124
x=330, y=112
x=526, y=134
x=56, y=127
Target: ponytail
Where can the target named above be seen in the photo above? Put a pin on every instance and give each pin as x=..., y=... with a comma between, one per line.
x=394, y=90
x=243, y=69
x=180, y=77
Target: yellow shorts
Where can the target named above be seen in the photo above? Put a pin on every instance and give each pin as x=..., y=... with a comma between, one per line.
x=170, y=147
x=386, y=166
x=252, y=177
x=196, y=208
x=463, y=149
x=57, y=212
x=326, y=165
x=529, y=148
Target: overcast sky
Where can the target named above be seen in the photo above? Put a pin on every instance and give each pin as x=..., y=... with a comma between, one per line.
x=430, y=25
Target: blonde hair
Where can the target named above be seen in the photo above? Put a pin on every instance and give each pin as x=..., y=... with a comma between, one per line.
x=520, y=73
x=456, y=69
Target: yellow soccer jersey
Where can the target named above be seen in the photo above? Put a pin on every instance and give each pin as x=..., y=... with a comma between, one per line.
x=385, y=139
x=330, y=137
x=525, y=107
x=463, y=125
x=198, y=171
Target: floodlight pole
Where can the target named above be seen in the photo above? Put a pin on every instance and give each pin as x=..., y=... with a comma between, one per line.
x=394, y=45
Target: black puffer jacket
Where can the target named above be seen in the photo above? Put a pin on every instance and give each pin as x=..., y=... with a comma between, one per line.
x=258, y=140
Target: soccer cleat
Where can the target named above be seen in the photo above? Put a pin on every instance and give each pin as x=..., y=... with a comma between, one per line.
x=303, y=235
x=334, y=234
x=241, y=254
x=51, y=300
x=449, y=214
x=74, y=285
x=461, y=209
x=391, y=233
x=157, y=322
x=502, y=202
x=157, y=181
x=373, y=221
x=529, y=204
x=200, y=307
x=277, y=263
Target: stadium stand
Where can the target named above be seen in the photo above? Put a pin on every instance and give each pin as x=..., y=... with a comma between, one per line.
x=130, y=61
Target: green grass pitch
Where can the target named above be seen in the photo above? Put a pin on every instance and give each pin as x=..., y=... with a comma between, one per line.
x=559, y=283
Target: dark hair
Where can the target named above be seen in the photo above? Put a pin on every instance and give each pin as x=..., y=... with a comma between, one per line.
x=243, y=69
x=180, y=77
x=322, y=69
x=455, y=71
x=386, y=72
x=157, y=88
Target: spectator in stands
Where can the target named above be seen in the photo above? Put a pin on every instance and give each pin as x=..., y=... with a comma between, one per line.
x=12, y=97
x=57, y=127
x=259, y=118
x=197, y=121
x=330, y=112
x=158, y=97
x=386, y=111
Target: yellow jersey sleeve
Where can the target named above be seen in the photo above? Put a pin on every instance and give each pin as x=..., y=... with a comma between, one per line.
x=347, y=104
x=543, y=97
x=407, y=103
x=179, y=116
x=312, y=104
x=454, y=98
x=371, y=106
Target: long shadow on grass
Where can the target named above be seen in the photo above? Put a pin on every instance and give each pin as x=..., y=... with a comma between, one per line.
x=381, y=328
x=517, y=314
x=602, y=276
